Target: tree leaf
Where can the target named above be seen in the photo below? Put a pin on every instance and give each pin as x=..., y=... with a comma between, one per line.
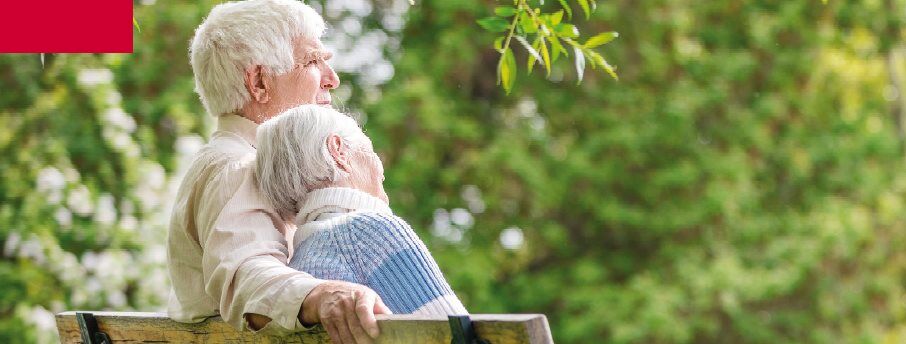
x=527, y=24
x=600, y=39
x=590, y=57
x=569, y=11
x=580, y=64
x=556, y=18
x=557, y=48
x=135, y=23
x=505, y=11
x=567, y=30
x=498, y=43
x=608, y=68
x=528, y=47
x=545, y=56
x=597, y=59
x=500, y=67
x=506, y=69
x=494, y=24
x=544, y=30
x=585, y=8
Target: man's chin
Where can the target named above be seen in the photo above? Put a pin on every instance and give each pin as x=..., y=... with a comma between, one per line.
x=325, y=103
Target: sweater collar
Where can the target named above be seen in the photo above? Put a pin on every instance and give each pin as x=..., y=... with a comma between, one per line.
x=338, y=200
x=241, y=126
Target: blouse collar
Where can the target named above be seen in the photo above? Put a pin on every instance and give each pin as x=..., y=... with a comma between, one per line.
x=338, y=200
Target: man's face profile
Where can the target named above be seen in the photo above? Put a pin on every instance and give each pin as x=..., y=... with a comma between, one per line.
x=310, y=80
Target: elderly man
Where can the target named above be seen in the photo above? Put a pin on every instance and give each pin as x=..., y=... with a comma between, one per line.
x=227, y=247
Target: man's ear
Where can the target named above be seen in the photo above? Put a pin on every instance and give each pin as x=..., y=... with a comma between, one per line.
x=339, y=151
x=257, y=85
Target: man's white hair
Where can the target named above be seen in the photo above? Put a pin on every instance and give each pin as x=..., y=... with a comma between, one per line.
x=293, y=158
x=237, y=35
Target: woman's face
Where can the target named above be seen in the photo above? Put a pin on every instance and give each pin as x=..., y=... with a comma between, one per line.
x=367, y=171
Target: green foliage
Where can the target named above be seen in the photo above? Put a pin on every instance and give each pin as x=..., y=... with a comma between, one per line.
x=547, y=28
x=88, y=142
x=742, y=183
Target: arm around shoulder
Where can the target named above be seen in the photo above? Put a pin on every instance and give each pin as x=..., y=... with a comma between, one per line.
x=244, y=264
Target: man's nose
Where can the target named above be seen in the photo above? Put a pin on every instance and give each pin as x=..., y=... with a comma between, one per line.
x=329, y=78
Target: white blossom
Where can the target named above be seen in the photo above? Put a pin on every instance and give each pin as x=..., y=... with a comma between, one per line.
x=50, y=179
x=472, y=195
x=129, y=223
x=63, y=217
x=512, y=238
x=441, y=226
x=188, y=145
x=106, y=210
x=94, y=77
x=462, y=218
x=118, y=118
x=33, y=249
x=45, y=322
x=11, y=244
x=79, y=201
x=116, y=298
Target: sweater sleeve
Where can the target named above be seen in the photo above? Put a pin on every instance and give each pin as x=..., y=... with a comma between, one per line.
x=391, y=259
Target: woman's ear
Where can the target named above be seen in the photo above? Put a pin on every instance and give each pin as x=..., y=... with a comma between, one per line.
x=339, y=151
x=257, y=85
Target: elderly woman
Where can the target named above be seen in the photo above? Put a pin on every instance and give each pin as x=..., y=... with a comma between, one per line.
x=316, y=165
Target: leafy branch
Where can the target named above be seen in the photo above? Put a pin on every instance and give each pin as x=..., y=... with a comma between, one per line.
x=522, y=22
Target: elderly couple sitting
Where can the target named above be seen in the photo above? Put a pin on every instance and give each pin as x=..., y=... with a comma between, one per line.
x=281, y=221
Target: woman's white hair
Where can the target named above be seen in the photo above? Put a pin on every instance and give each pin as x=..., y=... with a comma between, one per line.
x=293, y=158
x=237, y=35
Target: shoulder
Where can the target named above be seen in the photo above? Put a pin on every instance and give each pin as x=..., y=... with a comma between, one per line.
x=373, y=219
x=228, y=157
x=388, y=229
x=225, y=157
x=222, y=157
x=221, y=172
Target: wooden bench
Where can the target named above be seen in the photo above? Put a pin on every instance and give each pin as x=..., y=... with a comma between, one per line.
x=134, y=327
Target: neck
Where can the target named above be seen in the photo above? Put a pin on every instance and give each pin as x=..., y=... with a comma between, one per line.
x=342, y=183
x=255, y=114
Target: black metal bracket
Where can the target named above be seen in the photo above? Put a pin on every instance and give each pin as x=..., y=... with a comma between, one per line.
x=88, y=326
x=462, y=330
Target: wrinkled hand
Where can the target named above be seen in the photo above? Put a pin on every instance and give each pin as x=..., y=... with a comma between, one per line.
x=346, y=310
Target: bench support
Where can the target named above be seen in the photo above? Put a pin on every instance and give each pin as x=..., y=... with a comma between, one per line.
x=462, y=332
x=88, y=326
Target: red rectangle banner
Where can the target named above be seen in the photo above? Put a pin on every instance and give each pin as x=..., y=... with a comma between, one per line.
x=65, y=26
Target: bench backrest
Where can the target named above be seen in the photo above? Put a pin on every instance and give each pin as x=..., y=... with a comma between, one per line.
x=135, y=327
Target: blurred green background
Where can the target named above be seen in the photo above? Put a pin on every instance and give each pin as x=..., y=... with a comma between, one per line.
x=743, y=182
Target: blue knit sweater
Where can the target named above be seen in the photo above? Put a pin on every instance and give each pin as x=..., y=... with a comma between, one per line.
x=344, y=235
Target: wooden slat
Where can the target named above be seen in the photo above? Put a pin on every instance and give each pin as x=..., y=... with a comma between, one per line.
x=133, y=327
